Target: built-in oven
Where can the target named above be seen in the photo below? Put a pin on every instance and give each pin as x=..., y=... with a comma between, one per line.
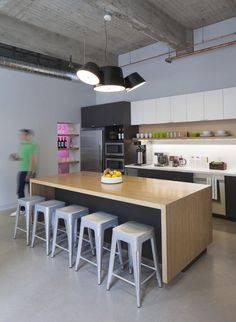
x=115, y=164
x=114, y=149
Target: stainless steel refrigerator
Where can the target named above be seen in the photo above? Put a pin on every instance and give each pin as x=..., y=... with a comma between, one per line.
x=92, y=150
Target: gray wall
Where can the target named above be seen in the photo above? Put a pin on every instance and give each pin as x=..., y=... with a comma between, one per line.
x=37, y=102
x=207, y=71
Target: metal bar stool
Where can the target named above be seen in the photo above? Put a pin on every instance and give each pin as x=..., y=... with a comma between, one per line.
x=98, y=222
x=28, y=203
x=135, y=234
x=48, y=209
x=70, y=215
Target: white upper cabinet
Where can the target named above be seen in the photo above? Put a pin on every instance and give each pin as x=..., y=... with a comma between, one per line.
x=163, y=110
x=149, y=112
x=195, y=106
x=143, y=112
x=178, y=106
x=137, y=112
x=213, y=101
x=229, y=103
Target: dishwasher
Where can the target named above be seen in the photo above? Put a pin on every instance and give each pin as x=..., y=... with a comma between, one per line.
x=218, y=205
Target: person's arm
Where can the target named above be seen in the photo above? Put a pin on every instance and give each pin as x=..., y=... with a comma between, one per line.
x=33, y=165
x=14, y=157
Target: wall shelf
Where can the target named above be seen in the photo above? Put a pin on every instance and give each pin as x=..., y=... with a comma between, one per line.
x=63, y=134
x=68, y=149
x=67, y=162
x=189, y=140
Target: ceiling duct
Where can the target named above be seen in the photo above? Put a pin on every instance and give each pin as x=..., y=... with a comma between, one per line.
x=27, y=67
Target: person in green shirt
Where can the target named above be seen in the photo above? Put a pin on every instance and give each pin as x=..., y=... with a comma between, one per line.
x=28, y=159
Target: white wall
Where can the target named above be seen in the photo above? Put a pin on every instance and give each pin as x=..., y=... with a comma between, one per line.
x=206, y=71
x=36, y=102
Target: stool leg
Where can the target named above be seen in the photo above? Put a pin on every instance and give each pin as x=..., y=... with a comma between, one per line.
x=91, y=241
x=47, y=230
x=120, y=253
x=75, y=232
x=99, y=235
x=28, y=211
x=54, y=236
x=136, y=256
x=35, y=219
x=17, y=220
x=111, y=261
x=130, y=259
x=81, y=235
x=155, y=259
x=70, y=234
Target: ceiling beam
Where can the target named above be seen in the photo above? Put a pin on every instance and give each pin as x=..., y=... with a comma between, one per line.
x=151, y=21
x=17, y=33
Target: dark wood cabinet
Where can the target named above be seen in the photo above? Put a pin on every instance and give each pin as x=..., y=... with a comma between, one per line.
x=230, y=196
x=166, y=175
x=117, y=113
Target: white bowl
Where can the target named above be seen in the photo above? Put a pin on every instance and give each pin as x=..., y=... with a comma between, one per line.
x=221, y=132
x=111, y=180
x=206, y=132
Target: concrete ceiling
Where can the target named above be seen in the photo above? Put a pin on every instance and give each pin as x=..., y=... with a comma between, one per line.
x=59, y=27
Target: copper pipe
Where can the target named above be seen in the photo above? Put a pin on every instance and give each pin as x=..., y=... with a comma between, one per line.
x=189, y=53
x=196, y=52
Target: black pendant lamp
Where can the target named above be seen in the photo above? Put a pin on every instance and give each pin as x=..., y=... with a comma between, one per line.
x=111, y=80
x=89, y=73
x=133, y=81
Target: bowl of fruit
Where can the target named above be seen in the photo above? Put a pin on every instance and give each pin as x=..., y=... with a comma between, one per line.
x=111, y=176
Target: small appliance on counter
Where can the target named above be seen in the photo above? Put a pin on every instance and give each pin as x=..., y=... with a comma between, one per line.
x=162, y=159
x=143, y=153
x=217, y=165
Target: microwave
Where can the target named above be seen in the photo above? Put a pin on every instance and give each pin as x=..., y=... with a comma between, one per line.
x=115, y=164
x=114, y=148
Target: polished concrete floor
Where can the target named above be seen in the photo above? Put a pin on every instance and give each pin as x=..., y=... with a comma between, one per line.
x=37, y=288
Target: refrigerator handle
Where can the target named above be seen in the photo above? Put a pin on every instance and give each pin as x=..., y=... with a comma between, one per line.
x=100, y=156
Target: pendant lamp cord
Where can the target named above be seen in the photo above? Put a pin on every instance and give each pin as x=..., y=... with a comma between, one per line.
x=84, y=49
x=105, y=52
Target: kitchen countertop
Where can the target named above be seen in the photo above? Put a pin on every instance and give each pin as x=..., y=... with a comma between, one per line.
x=184, y=169
x=140, y=191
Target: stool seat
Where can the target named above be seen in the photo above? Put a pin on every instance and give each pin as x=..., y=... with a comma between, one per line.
x=133, y=229
x=72, y=210
x=70, y=214
x=28, y=203
x=48, y=209
x=135, y=234
x=98, y=222
x=101, y=218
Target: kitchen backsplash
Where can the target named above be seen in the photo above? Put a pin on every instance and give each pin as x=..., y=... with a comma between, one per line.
x=226, y=153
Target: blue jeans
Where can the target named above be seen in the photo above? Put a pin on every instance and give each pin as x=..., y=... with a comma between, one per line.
x=21, y=182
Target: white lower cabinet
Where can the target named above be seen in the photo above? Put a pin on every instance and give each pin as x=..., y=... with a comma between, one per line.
x=229, y=103
x=213, y=101
x=178, y=107
x=195, y=106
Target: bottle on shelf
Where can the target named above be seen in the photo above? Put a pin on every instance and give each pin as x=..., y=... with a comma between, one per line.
x=65, y=143
x=122, y=134
x=71, y=143
x=58, y=143
x=119, y=134
x=62, y=143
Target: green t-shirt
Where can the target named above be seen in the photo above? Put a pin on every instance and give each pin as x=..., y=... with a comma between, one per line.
x=27, y=149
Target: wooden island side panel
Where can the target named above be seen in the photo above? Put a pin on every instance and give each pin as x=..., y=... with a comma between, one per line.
x=186, y=231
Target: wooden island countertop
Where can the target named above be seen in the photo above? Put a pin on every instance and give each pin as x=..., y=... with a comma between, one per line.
x=185, y=210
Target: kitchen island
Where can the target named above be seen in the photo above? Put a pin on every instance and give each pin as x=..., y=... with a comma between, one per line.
x=180, y=212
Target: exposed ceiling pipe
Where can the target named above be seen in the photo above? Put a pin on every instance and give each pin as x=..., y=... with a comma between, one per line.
x=200, y=51
x=27, y=67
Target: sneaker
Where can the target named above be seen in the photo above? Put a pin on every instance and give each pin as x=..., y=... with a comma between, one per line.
x=13, y=214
